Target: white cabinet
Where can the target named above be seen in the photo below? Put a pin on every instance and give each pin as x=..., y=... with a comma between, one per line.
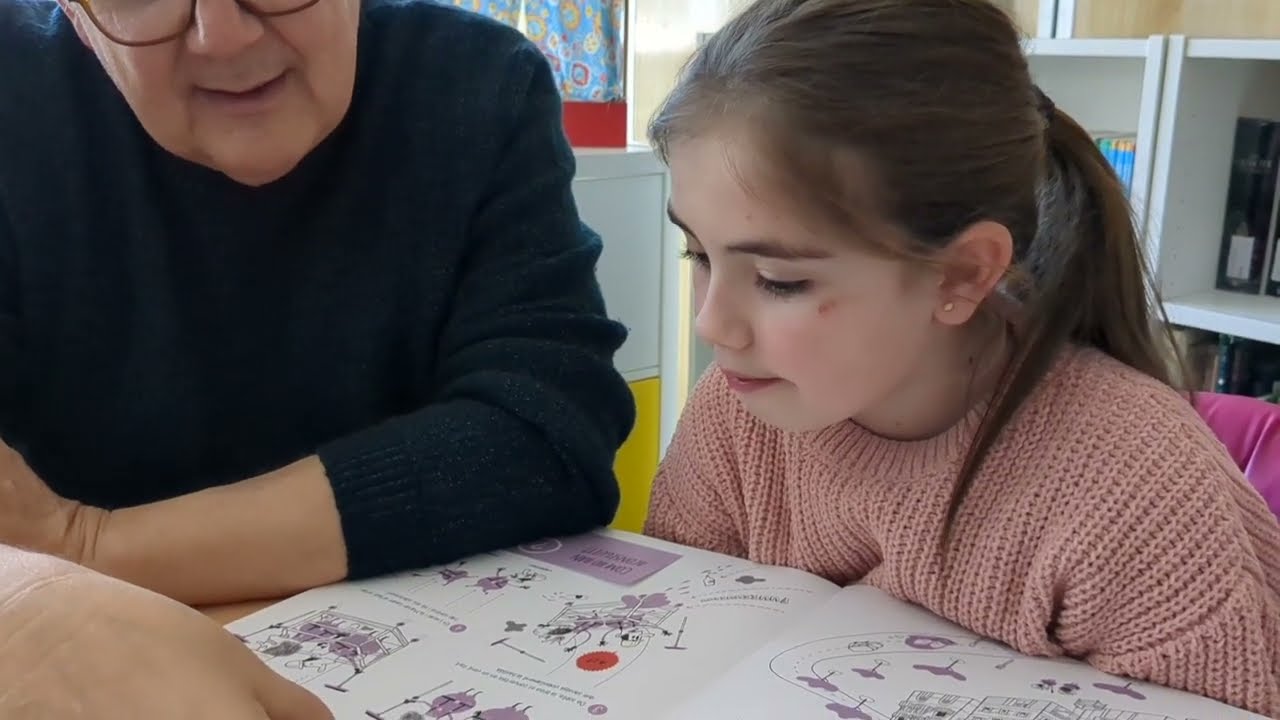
x=622, y=195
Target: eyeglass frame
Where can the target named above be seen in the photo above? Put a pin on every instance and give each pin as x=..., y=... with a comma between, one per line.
x=191, y=19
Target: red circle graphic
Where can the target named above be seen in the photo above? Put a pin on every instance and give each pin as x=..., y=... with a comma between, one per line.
x=598, y=661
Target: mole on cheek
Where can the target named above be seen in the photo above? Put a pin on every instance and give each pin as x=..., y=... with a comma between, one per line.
x=826, y=307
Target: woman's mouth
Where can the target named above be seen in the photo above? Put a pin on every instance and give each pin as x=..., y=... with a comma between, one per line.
x=246, y=100
x=746, y=383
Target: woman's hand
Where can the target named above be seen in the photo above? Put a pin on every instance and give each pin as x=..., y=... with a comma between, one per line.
x=35, y=518
x=75, y=644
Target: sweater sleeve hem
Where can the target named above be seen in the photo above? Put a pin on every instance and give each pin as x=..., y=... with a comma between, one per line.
x=1232, y=657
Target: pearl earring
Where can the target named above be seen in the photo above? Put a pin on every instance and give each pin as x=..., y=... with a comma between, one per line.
x=949, y=307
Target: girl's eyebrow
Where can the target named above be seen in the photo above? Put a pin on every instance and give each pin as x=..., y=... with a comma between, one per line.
x=777, y=250
x=760, y=247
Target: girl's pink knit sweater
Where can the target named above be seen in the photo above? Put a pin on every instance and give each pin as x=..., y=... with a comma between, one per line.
x=1107, y=524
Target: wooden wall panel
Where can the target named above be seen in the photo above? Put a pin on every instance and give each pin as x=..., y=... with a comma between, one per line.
x=1201, y=18
x=1026, y=12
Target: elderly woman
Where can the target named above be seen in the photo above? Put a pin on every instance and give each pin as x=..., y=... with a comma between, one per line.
x=291, y=291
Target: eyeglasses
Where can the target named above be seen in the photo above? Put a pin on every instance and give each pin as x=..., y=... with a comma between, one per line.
x=137, y=23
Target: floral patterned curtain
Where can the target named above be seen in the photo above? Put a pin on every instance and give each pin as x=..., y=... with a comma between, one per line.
x=508, y=11
x=582, y=39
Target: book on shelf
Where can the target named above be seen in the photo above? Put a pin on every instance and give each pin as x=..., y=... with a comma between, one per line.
x=1248, y=223
x=1227, y=364
x=620, y=626
x=1119, y=149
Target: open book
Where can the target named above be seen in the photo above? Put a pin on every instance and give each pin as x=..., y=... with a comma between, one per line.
x=624, y=627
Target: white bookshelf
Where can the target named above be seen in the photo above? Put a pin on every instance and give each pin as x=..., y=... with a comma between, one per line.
x=1208, y=84
x=1107, y=85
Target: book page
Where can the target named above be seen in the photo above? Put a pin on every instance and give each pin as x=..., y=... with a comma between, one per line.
x=867, y=656
x=605, y=625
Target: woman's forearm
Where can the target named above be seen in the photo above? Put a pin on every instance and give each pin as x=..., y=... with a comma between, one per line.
x=265, y=537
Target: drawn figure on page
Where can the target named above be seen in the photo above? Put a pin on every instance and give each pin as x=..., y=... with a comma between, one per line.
x=452, y=705
x=484, y=589
x=312, y=646
x=871, y=673
x=734, y=573
x=625, y=621
x=865, y=646
x=523, y=579
x=847, y=673
x=850, y=712
x=511, y=712
x=441, y=577
x=601, y=639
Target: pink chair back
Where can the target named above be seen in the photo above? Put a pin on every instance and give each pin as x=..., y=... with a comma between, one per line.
x=1250, y=429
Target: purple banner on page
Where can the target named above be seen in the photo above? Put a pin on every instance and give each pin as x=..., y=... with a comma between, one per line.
x=600, y=556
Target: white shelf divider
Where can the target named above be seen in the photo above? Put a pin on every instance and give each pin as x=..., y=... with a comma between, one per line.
x=1089, y=47
x=1244, y=315
x=1233, y=49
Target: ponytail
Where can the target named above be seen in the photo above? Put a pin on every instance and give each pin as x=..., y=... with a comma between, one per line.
x=1090, y=283
x=1089, y=260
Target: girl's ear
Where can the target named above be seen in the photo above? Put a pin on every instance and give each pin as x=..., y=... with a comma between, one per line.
x=972, y=265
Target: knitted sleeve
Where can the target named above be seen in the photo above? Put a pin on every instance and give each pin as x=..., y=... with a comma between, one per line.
x=1174, y=578
x=694, y=492
x=8, y=324
x=519, y=439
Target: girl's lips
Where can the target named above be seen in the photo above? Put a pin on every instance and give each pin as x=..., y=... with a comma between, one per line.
x=747, y=384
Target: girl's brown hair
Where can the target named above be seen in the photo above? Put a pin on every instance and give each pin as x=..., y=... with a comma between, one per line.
x=921, y=114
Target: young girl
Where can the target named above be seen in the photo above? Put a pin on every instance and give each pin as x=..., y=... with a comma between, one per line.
x=938, y=369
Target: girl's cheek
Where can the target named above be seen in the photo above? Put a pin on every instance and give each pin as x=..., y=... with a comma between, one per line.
x=796, y=341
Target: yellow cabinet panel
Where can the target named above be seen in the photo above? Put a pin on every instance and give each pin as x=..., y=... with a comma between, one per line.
x=637, y=460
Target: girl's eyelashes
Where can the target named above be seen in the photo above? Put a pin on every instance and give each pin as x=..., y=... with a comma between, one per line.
x=777, y=288
x=780, y=288
x=697, y=258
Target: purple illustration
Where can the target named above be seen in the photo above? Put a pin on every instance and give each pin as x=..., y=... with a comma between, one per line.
x=872, y=673
x=597, y=710
x=629, y=622
x=845, y=712
x=452, y=575
x=458, y=628
x=443, y=576
x=942, y=670
x=312, y=645
x=928, y=642
x=500, y=580
x=448, y=706
x=513, y=712
x=820, y=683
x=1126, y=690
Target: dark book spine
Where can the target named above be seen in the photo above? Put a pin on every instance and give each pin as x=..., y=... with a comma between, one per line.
x=1247, y=226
